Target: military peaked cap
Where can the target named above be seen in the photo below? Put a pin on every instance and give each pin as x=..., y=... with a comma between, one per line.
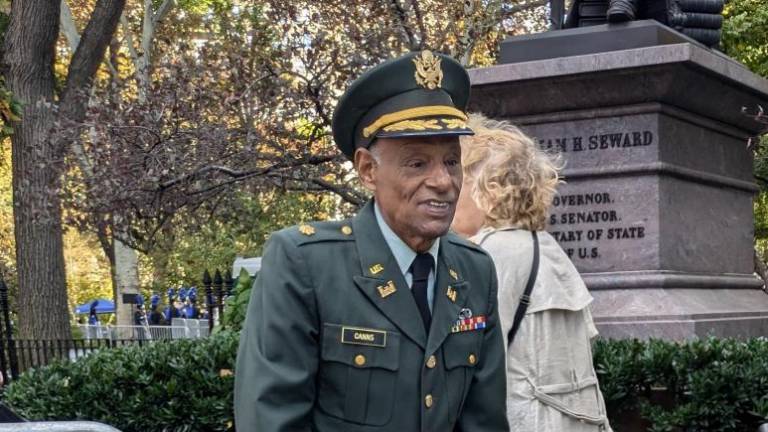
x=418, y=94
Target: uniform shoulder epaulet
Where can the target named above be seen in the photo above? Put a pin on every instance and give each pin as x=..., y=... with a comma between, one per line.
x=460, y=241
x=314, y=232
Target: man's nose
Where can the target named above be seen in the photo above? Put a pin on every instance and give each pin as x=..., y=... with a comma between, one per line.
x=440, y=178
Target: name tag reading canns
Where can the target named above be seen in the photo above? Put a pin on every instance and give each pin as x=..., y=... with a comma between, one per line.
x=363, y=336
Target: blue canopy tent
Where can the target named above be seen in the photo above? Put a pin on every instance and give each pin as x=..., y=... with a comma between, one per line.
x=103, y=306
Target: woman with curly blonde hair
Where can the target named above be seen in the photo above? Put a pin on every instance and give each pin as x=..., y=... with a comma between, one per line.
x=509, y=184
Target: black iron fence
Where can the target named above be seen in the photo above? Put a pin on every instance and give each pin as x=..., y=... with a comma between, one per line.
x=217, y=289
x=18, y=355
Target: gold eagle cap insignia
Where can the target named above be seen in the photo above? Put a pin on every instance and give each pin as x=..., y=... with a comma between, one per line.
x=428, y=73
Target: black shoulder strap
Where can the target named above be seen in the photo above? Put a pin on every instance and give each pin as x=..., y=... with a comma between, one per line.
x=526, y=298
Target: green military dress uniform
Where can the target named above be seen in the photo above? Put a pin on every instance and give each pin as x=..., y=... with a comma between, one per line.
x=333, y=339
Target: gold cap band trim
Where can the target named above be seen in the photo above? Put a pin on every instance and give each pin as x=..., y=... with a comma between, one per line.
x=411, y=113
x=413, y=125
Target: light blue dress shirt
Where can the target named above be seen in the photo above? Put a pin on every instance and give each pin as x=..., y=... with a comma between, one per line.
x=404, y=255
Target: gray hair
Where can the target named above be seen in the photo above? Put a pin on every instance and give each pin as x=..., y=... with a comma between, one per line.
x=373, y=149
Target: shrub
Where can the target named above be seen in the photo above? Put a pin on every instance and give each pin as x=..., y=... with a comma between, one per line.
x=714, y=385
x=182, y=385
x=237, y=304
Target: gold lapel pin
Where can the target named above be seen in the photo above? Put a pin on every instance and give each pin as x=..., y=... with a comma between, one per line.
x=451, y=293
x=387, y=290
x=307, y=230
x=376, y=269
x=453, y=274
x=346, y=230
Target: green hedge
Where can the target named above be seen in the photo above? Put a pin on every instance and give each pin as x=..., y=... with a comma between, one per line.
x=710, y=385
x=237, y=304
x=182, y=385
x=713, y=385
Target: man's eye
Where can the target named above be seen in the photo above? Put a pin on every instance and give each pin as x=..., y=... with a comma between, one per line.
x=452, y=162
x=416, y=164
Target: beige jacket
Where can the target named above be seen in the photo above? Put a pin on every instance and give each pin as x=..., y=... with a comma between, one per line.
x=551, y=382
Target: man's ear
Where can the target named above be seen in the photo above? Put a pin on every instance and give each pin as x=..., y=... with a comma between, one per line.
x=366, y=165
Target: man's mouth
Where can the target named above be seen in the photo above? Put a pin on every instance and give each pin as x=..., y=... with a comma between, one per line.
x=438, y=204
x=440, y=209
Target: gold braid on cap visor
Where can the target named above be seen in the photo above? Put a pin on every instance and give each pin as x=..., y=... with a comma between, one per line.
x=411, y=113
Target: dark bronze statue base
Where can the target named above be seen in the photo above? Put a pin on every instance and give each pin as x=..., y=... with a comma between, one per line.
x=698, y=19
x=622, y=11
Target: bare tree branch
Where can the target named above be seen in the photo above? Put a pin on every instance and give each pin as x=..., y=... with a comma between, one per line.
x=87, y=58
x=524, y=7
x=345, y=194
x=402, y=17
x=68, y=26
x=256, y=110
x=420, y=23
x=129, y=41
x=162, y=11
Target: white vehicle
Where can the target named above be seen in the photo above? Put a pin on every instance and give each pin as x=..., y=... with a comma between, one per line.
x=251, y=265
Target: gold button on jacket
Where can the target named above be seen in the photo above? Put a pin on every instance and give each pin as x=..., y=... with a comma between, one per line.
x=432, y=362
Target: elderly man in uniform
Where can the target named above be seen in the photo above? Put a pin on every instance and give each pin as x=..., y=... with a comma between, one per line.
x=384, y=322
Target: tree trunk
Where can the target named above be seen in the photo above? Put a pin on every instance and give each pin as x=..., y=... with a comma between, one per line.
x=105, y=240
x=30, y=45
x=126, y=282
x=160, y=255
x=160, y=261
x=126, y=261
x=29, y=57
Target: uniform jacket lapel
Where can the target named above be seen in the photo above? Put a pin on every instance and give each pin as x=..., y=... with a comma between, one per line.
x=445, y=311
x=378, y=269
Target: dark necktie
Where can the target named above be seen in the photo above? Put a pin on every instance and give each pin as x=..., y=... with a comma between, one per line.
x=420, y=269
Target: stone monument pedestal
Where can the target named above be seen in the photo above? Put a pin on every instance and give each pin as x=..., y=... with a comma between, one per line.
x=656, y=211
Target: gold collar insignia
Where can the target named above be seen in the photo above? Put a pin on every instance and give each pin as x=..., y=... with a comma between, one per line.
x=307, y=230
x=387, y=290
x=376, y=269
x=453, y=274
x=451, y=293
